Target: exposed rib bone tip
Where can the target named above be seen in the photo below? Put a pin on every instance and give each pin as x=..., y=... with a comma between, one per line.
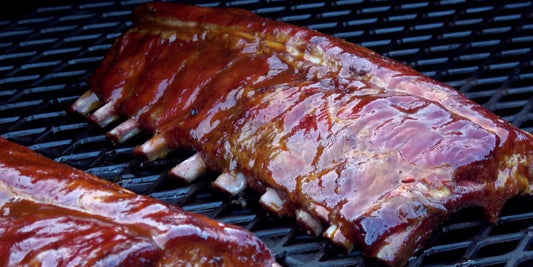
x=271, y=201
x=124, y=131
x=86, y=103
x=334, y=234
x=189, y=169
x=312, y=225
x=275, y=264
x=230, y=184
x=320, y=212
x=105, y=115
x=156, y=147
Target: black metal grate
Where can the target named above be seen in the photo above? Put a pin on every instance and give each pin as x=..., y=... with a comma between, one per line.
x=481, y=48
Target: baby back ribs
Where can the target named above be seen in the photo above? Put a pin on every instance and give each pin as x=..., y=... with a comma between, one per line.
x=336, y=135
x=55, y=215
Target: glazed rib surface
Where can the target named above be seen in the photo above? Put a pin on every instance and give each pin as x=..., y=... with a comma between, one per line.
x=366, y=146
x=55, y=215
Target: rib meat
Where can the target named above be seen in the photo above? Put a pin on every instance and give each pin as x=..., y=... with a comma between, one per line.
x=345, y=140
x=55, y=215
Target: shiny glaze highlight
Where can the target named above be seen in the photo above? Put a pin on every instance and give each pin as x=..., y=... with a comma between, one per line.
x=54, y=215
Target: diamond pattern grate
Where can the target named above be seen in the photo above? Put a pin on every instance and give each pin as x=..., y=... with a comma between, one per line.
x=482, y=48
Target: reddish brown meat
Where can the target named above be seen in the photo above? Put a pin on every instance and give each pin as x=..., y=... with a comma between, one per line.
x=333, y=132
x=55, y=215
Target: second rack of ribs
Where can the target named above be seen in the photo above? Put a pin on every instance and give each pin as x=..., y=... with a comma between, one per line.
x=349, y=142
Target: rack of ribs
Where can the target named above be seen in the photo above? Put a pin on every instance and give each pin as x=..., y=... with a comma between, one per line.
x=357, y=147
x=55, y=215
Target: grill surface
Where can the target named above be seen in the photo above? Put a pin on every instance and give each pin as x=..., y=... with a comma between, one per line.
x=481, y=48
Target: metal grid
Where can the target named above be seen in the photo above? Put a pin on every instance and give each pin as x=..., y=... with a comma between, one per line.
x=482, y=48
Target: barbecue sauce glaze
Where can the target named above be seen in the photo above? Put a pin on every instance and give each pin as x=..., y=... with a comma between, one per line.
x=54, y=215
x=355, y=139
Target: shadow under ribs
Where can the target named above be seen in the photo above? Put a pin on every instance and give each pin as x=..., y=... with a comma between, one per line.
x=333, y=133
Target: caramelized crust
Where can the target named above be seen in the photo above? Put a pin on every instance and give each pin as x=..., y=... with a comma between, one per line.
x=55, y=215
x=368, y=146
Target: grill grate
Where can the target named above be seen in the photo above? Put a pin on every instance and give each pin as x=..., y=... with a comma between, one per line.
x=481, y=48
